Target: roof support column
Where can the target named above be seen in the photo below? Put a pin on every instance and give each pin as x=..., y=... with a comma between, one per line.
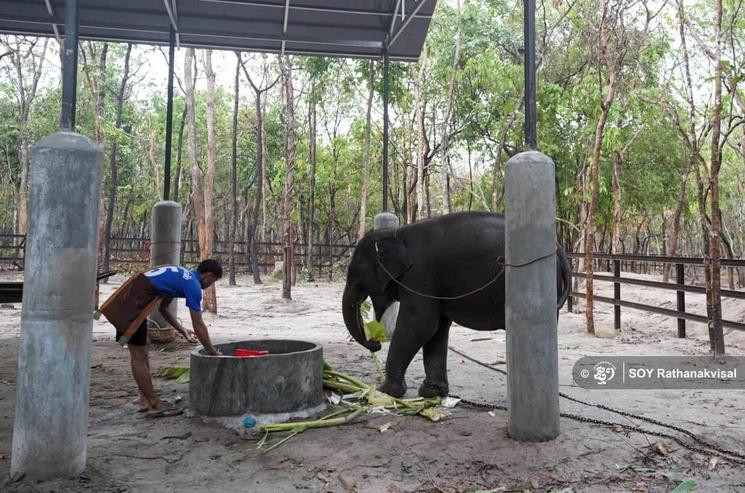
x=530, y=267
x=70, y=66
x=386, y=90
x=169, y=116
x=530, y=83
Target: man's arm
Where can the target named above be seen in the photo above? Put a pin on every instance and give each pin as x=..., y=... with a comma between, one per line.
x=168, y=316
x=201, y=330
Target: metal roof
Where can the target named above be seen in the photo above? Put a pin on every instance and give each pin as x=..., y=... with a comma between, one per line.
x=348, y=28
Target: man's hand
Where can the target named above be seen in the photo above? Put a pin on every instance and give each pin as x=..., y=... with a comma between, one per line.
x=189, y=335
x=201, y=331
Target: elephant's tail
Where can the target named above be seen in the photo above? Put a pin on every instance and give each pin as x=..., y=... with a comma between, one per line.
x=565, y=266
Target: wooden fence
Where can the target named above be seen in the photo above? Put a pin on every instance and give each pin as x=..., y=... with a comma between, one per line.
x=133, y=253
x=621, y=263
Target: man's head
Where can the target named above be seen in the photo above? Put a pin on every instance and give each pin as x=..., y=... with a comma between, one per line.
x=209, y=271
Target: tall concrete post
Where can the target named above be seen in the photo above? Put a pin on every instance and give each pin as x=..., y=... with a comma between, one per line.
x=51, y=420
x=530, y=302
x=385, y=220
x=165, y=244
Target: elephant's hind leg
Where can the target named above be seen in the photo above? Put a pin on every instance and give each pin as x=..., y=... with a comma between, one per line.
x=435, y=362
x=416, y=324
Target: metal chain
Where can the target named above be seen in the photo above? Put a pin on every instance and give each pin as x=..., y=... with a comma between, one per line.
x=730, y=455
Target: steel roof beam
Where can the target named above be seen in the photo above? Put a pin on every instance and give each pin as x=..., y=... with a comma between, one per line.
x=406, y=22
x=330, y=10
x=50, y=10
x=284, y=25
x=393, y=18
x=171, y=16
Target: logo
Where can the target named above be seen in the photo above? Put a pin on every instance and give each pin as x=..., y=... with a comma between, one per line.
x=603, y=372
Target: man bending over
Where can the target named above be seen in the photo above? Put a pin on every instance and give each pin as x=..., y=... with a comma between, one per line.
x=130, y=305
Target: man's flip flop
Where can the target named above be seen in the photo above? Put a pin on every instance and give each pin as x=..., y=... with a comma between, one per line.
x=140, y=409
x=165, y=413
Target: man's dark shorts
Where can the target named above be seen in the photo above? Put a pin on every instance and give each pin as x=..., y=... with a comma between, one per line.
x=139, y=338
x=127, y=303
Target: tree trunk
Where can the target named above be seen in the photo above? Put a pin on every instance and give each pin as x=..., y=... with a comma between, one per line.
x=444, y=136
x=595, y=168
x=260, y=177
x=421, y=153
x=672, y=243
x=259, y=204
x=312, y=132
x=287, y=202
x=716, y=336
x=25, y=95
x=210, y=295
x=619, y=157
x=366, y=171
x=113, y=164
x=97, y=87
x=197, y=195
x=179, y=169
x=233, y=176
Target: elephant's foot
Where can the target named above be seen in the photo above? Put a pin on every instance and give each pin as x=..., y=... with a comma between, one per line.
x=431, y=389
x=394, y=389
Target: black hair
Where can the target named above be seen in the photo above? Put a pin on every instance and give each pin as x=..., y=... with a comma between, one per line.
x=210, y=265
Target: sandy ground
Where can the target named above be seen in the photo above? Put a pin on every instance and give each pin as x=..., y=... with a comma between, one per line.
x=467, y=451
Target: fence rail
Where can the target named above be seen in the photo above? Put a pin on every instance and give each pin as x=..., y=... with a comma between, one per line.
x=134, y=252
x=679, y=286
x=127, y=252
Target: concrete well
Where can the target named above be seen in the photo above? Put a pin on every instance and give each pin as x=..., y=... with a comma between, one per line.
x=287, y=380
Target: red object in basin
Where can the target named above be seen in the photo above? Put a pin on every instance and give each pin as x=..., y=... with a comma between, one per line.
x=250, y=353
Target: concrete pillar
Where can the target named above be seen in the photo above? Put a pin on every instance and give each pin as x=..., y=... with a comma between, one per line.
x=51, y=420
x=165, y=244
x=530, y=302
x=383, y=221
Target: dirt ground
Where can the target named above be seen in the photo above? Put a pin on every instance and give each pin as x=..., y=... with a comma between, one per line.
x=468, y=451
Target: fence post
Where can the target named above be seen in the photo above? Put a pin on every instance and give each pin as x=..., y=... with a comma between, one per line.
x=680, y=279
x=616, y=295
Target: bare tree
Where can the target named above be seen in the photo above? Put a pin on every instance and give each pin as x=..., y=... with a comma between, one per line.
x=422, y=144
x=711, y=225
x=446, y=172
x=197, y=194
x=27, y=58
x=368, y=153
x=210, y=295
x=113, y=158
x=287, y=202
x=234, y=173
x=261, y=187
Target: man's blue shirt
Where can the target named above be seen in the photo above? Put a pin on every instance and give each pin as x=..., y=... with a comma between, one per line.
x=176, y=282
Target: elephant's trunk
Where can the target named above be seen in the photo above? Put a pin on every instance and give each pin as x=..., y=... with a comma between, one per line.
x=351, y=302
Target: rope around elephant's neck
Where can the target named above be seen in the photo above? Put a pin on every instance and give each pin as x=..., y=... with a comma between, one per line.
x=500, y=261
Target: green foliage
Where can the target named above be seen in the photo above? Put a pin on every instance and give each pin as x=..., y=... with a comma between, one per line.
x=484, y=125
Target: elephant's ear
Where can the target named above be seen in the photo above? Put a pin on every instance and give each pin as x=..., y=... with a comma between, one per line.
x=392, y=260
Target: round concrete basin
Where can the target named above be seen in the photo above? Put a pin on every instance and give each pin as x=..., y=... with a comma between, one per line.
x=288, y=379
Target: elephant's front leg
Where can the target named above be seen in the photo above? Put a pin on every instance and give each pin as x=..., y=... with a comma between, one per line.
x=436, y=362
x=416, y=324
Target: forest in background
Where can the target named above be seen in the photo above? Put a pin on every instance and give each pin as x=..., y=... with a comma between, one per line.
x=640, y=105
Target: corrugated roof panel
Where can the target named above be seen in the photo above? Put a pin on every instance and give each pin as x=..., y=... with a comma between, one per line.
x=351, y=28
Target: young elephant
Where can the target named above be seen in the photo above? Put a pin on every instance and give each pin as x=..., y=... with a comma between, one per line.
x=419, y=265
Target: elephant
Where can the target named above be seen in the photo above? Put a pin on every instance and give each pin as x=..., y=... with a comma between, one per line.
x=446, y=256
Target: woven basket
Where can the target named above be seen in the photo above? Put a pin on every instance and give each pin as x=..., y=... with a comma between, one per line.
x=160, y=334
